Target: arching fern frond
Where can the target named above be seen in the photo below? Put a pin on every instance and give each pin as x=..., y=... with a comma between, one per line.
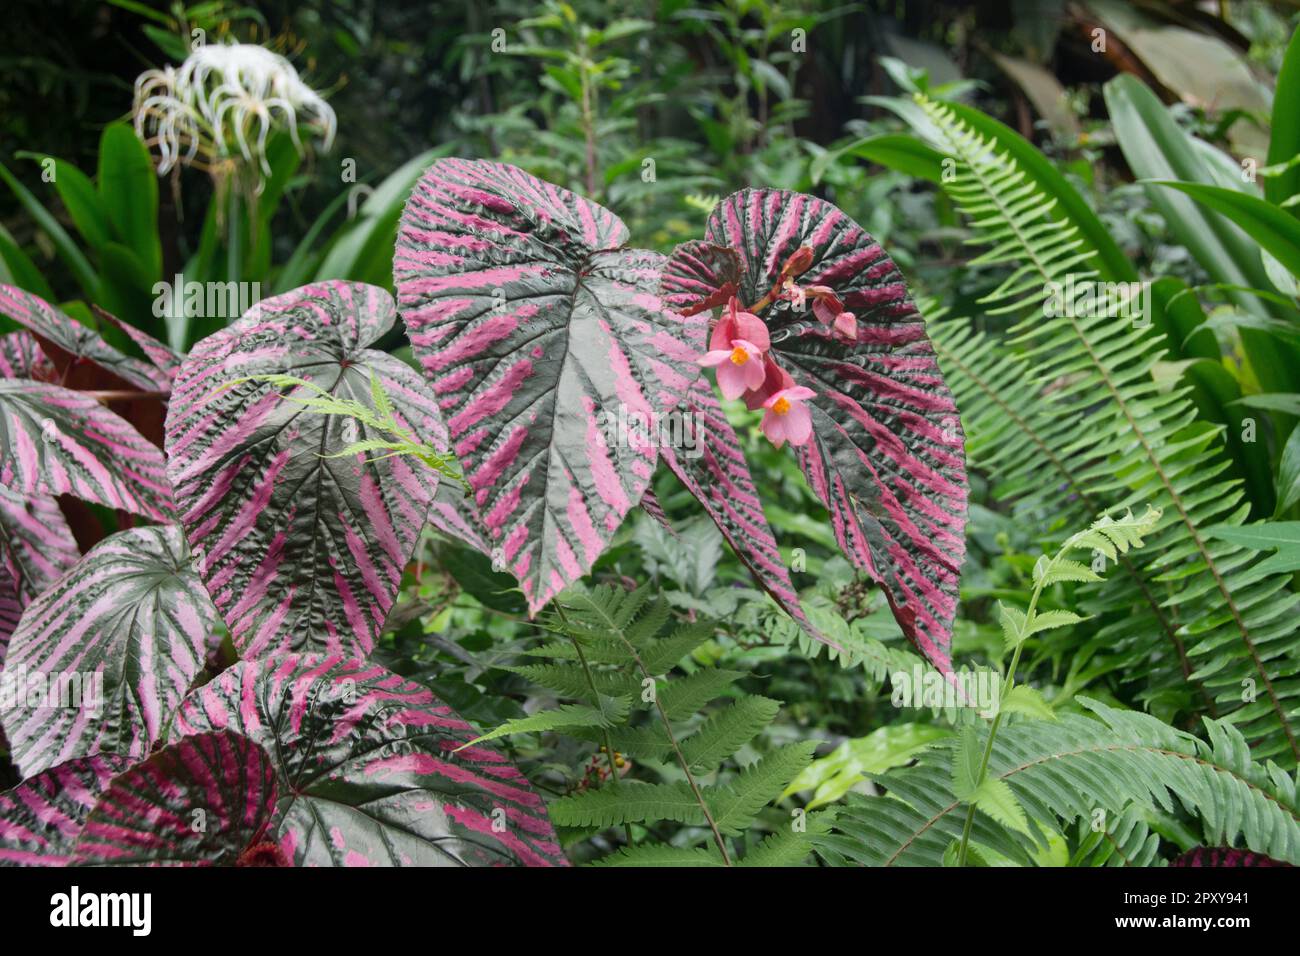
x=1067, y=770
x=1124, y=441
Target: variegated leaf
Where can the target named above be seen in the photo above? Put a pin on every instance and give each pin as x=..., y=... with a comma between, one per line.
x=299, y=550
x=72, y=346
x=56, y=441
x=36, y=547
x=369, y=769
x=21, y=357
x=719, y=477
x=206, y=800
x=163, y=357
x=114, y=644
x=887, y=451
x=41, y=818
x=1223, y=856
x=537, y=329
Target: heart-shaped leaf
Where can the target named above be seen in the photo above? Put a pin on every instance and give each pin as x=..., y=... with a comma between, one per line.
x=537, y=330
x=206, y=800
x=56, y=441
x=21, y=357
x=72, y=346
x=301, y=548
x=41, y=818
x=103, y=656
x=886, y=455
x=36, y=546
x=719, y=477
x=369, y=769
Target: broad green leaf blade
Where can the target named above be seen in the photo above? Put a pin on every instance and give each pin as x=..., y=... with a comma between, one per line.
x=206, y=800
x=299, y=550
x=68, y=250
x=1284, y=141
x=539, y=331
x=79, y=198
x=370, y=769
x=1276, y=231
x=128, y=188
x=113, y=645
x=42, y=816
x=55, y=441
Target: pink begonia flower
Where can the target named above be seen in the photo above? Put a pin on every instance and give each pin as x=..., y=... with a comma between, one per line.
x=787, y=417
x=739, y=325
x=775, y=378
x=846, y=325
x=740, y=368
x=796, y=294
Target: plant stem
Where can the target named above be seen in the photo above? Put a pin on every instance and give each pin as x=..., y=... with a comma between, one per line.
x=1007, y=683
x=595, y=696
x=588, y=117
x=681, y=758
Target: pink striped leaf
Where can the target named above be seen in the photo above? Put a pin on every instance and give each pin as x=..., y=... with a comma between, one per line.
x=56, y=441
x=1221, y=856
x=300, y=550
x=539, y=333
x=886, y=455
x=719, y=477
x=41, y=818
x=369, y=769
x=105, y=654
x=71, y=345
x=162, y=356
x=36, y=547
x=21, y=357
x=206, y=800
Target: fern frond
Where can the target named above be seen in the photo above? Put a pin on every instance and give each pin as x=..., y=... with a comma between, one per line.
x=657, y=854
x=791, y=846
x=1125, y=840
x=571, y=680
x=735, y=805
x=632, y=801
x=608, y=712
x=682, y=696
x=1067, y=769
x=727, y=730
x=1124, y=441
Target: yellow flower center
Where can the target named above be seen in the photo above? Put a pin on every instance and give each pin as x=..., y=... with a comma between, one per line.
x=739, y=356
x=781, y=405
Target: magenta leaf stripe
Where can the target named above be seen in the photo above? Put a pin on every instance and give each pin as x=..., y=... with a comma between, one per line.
x=887, y=453
x=113, y=644
x=36, y=548
x=70, y=341
x=56, y=441
x=162, y=356
x=536, y=331
x=41, y=818
x=21, y=357
x=368, y=768
x=204, y=801
x=720, y=479
x=299, y=550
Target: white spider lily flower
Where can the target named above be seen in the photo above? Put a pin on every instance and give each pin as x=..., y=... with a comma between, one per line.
x=222, y=103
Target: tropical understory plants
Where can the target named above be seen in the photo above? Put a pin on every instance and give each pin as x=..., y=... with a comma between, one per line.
x=383, y=569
